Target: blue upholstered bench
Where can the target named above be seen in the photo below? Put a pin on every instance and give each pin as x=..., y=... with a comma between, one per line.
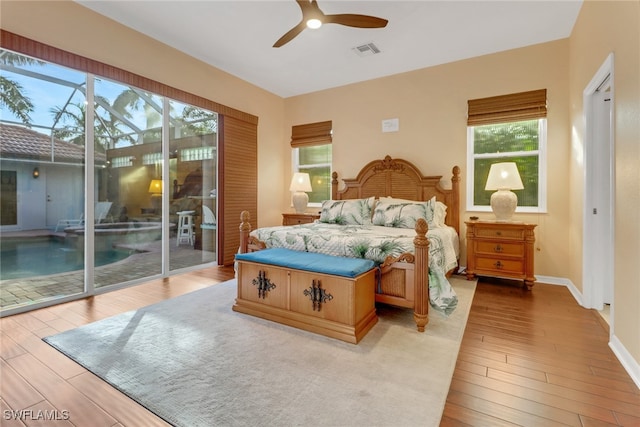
x=332, y=296
x=309, y=261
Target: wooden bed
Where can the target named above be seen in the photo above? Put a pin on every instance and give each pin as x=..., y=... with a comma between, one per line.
x=405, y=279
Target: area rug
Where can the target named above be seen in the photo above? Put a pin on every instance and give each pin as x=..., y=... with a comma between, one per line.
x=194, y=362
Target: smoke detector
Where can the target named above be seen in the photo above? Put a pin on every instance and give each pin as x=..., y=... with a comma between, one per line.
x=366, y=49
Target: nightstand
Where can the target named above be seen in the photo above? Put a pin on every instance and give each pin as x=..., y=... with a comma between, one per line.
x=501, y=249
x=296, y=218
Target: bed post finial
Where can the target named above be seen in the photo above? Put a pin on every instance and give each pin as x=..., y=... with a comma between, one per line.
x=245, y=229
x=334, y=185
x=421, y=275
x=454, y=203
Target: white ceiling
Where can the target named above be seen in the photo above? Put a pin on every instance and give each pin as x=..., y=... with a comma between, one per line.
x=237, y=36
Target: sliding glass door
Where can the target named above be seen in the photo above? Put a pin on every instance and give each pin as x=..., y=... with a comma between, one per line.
x=128, y=191
x=42, y=171
x=137, y=201
x=193, y=177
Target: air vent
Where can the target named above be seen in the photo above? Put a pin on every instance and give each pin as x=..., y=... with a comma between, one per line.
x=366, y=49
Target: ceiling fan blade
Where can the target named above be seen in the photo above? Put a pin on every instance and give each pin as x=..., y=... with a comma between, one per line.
x=290, y=35
x=353, y=20
x=311, y=10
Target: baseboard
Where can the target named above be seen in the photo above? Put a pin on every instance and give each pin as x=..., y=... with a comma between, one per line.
x=626, y=359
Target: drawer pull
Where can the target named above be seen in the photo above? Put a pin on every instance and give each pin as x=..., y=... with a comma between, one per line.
x=498, y=248
x=317, y=295
x=498, y=233
x=498, y=265
x=263, y=283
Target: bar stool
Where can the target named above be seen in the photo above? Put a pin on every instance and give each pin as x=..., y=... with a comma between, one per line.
x=185, y=227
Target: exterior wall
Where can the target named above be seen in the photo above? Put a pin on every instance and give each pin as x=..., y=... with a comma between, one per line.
x=604, y=27
x=431, y=105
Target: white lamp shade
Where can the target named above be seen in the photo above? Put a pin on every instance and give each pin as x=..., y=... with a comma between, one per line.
x=300, y=182
x=504, y=176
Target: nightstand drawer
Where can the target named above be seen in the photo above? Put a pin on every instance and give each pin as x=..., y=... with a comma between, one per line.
x=487, y=247
x=498, y=232
x=499, y=266
x=297, y=219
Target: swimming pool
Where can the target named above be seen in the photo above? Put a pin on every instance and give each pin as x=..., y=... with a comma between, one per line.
x=23, y=258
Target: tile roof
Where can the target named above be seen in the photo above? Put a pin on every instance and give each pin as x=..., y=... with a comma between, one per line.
x=17, y=142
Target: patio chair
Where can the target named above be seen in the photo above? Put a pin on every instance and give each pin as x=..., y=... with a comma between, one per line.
x=70, y=222
x=209, y=220
x=101, y=211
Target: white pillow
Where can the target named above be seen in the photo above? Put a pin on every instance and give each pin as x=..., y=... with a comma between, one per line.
x=440, y=214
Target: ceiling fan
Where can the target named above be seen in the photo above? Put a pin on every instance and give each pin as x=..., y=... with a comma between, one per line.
x=313, y=17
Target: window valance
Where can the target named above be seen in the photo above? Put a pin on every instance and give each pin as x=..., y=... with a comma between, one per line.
x=319, y=133
x=508, y=108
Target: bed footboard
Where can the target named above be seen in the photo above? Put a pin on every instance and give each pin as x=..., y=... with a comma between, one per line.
x=404, y=280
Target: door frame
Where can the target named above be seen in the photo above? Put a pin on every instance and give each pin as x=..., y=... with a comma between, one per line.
x=598, y=261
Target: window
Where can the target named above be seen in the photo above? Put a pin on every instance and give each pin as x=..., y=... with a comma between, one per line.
x=311, y=151
x=120, y=175
x=508, y=128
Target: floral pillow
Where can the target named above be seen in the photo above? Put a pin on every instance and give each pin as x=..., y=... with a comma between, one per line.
x=439, y=212
x=403, y=214
x=347, y=212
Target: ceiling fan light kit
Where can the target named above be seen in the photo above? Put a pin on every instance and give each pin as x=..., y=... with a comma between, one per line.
x=313, y=17
x=314, y=23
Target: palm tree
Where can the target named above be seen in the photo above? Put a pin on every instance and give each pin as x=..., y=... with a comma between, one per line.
x=107, y=132
x=11, y=92
x=198, y=121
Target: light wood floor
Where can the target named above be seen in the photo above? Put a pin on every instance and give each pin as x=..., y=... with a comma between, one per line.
x=532, y=359
x=537, y=359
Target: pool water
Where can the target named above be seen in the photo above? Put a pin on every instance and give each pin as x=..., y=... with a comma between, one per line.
x=43, y=256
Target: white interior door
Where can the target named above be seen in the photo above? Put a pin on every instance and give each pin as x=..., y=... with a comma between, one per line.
x=602, y=201
x=598, y=232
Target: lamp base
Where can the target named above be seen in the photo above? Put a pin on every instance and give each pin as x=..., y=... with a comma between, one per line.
x=300, y=201
x=503, y=204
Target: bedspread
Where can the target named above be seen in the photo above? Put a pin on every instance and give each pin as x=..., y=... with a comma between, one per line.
x=375, y=243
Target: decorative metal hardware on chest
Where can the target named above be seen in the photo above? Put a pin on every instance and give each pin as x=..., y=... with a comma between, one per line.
x=317, y=295
x=498, y=264
x=263, y=283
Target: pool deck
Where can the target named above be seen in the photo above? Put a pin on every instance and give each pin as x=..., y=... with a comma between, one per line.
x=21, y=292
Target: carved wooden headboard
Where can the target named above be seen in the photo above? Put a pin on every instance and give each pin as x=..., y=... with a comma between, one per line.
x=401, y=179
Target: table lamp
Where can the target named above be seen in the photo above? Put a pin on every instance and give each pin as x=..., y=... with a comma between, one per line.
x=300, y=183
x=504, y=177
x=155, y=188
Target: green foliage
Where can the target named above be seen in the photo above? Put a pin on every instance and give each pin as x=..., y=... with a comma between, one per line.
x=506, y=137
x=12, y=94
x=13, y=99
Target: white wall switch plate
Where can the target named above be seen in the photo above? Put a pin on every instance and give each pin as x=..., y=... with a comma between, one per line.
x=391, y=125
